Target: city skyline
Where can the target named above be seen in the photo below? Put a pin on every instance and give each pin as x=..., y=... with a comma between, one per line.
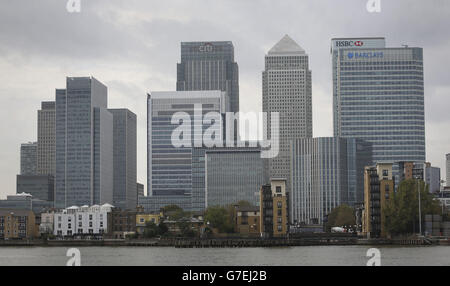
x=31, y=81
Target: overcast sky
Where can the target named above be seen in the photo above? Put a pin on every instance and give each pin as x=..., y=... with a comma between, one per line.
x=133, y=46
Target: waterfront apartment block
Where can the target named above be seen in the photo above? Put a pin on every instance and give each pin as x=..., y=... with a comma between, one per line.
x=209, y=66
x=248, y=221
x=378, y=189
x=286, y=86
x=17, y=224
x=378, y=96
x=81, y=221
x=84, y=144
x=274, y=209
x=326, y=173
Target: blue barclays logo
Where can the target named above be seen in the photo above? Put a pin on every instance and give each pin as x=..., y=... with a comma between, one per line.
x=365, y=55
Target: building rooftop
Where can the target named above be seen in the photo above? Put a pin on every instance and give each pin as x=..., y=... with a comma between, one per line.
x=286, y=46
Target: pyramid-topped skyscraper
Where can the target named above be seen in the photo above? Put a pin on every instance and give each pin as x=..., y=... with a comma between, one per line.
x=286, y=46
x=287, y=90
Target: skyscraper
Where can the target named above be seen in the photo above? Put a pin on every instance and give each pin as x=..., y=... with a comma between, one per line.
x=287, y=90
x=326, y=173
x=209, y=66
x=125, y=158
x=225, y=176
x=169, y=167
x=46, y=138
x=447, y=169
x=84, y=144
x=28, y=158
x=378, y=95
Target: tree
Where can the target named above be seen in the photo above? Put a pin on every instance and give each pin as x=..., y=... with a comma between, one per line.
x=174, y=212
x=219, y=217
x=342, y=215
x=150, y=230
x=402, y=210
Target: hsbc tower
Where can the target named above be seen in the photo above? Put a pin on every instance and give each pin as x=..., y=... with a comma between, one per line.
x=378, y=96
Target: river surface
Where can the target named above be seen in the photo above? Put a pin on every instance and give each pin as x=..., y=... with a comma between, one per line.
x=169, y=256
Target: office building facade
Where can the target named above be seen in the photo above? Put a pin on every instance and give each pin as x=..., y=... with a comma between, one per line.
x=433, y=178
x=28, y=158
x=84, y=144
x=41, y=187
x=447, y=169
x=170, y=166
x=209, y=66
x=46, y=138
x=378, y=95
x=287, y=90
x=326, y=173
x=230, y=175
x=125, y=158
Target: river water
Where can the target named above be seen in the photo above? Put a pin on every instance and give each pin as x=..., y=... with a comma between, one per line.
x=169, y=256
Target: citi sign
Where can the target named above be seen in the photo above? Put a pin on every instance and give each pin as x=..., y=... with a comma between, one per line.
x=208, y=47
x=346, y=44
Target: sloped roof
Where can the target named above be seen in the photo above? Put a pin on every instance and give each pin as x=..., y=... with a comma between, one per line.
x=286, y=46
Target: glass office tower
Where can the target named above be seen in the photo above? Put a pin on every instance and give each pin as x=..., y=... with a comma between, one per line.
x=209, y=66
x=378, y=95
x=169, y=166
x=84, y=144
x=326, y=172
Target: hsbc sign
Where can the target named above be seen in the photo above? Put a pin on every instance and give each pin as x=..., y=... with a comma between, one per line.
x=349, y=44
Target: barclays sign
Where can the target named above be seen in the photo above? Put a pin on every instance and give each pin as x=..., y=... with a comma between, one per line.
x=364, y=55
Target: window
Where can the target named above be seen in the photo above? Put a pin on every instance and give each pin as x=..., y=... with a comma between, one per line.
x=278, y=189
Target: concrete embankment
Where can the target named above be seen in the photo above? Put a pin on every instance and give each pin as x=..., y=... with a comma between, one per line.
x=224, y=242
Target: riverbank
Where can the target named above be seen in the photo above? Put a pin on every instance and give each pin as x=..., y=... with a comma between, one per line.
x=224, y=243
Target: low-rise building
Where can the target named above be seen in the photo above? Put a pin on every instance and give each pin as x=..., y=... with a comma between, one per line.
x=82, y=221
x=378, y=189
x=248, y=220
x=25, y=201
x=142, y=219
x=121, y=223
x=17, y=224
x=274, y=209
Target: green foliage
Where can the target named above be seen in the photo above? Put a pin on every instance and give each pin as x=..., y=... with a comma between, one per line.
x=402, y=210
x=186, y=229
x=152, y=230
x=174, y=212
x=343, y=215
x=220, y=218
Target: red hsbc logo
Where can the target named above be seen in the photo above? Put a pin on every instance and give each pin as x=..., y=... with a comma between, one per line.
x=358, y=43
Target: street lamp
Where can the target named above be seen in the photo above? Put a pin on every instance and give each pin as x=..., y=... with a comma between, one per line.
x=420, y=211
